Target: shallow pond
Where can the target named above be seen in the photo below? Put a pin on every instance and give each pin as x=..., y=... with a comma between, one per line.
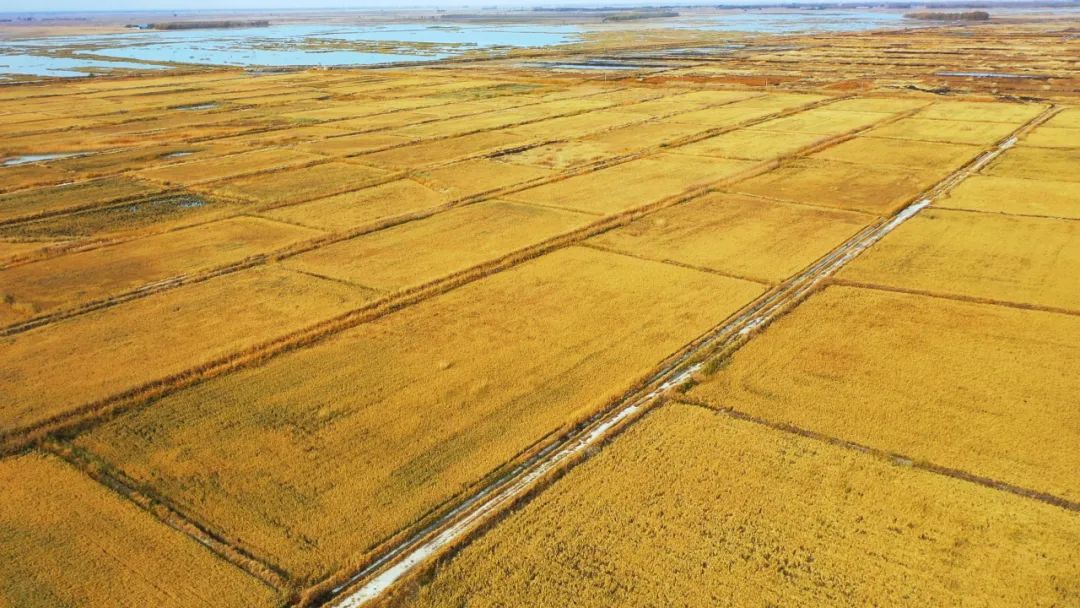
x=276, y=46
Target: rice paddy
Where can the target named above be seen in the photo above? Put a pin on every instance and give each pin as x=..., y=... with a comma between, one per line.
x=664, y=316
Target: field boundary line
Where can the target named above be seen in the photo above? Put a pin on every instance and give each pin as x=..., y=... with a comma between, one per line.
x=334, y=237
x=670, y=262
x=491, y=501
x=13, y=439
x=893, y=457
x=839, y=281
x=108, y=476
x=1033, y=216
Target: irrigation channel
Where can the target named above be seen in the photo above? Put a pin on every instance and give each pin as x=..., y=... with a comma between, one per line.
x=456, y=525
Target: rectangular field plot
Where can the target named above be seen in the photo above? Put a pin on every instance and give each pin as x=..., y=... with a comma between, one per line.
x=756, y=517
x=443, y=150
x=884, y=105
x=69, y=541
x=98, y=273
x=302, y=184
x=646, y=135
x=579, y=125
x=1052, y=137
x=452, y=241
x=1068, y=118
x=738, y=235
x=283, y=136
x=876, y=189
x=506, y=117
x=211, y=169
x=26, y=176
x=822, y=121
x=633, y=184
x=45, y=201
x=360, y=207
x=561, y=155
x=1038, y=164
x=1024, y=260
x=121, y=348
x=945, y=131
x=723, y=116
x=753, y=144
x=1016, y=195
x=353, y=145
x=473, y=177
x=322, y=453
x=902, y=152
x=1011, y=113
x=934, y=380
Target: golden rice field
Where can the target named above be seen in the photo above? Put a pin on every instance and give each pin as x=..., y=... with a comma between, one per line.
x=422, y=404
x=1016, y=259
x=931, y=379
x=694, y=508
x=69, y=541
x=261, y=330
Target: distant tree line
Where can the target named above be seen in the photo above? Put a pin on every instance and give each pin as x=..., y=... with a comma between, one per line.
x=966, y=16
x=202, y=25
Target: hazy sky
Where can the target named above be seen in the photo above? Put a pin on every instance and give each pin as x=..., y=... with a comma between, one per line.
x=130, y=5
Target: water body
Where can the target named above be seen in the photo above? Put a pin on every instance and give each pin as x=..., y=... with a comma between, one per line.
x=289, y=45
x=274, y=46
x=768, y=22
x=37, y=158
x=24, y=64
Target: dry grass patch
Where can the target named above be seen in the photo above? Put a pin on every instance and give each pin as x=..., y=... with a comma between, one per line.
x=884, y=105
x=1068, y=118
x=633, y=184
x=506, y=116
x=98, y=273
x=974, y=387
x=384, y=121
x=444, y=150
x=738, y=235
x=579, y=125
x=301, y=184
x=561, y=155
x=721, y=117
x=821, y=121
x=1026, y=260
x=752, y=144
x=758, y=517
x=449, y=242
x=351, y=145
x=473, y=177
x=54, y=199
x=69, y=541
x=287, y=135
x=53, y=370
x=212, y=169
x=902, y=152
x=360, y=207
x=1052, y=137
x=324, y=452
x=1016, y=195
x=645, y=135
x=1010, y=113
x=1038, y=164
x=881, y=190
x=946, y=131
x=25, y=176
